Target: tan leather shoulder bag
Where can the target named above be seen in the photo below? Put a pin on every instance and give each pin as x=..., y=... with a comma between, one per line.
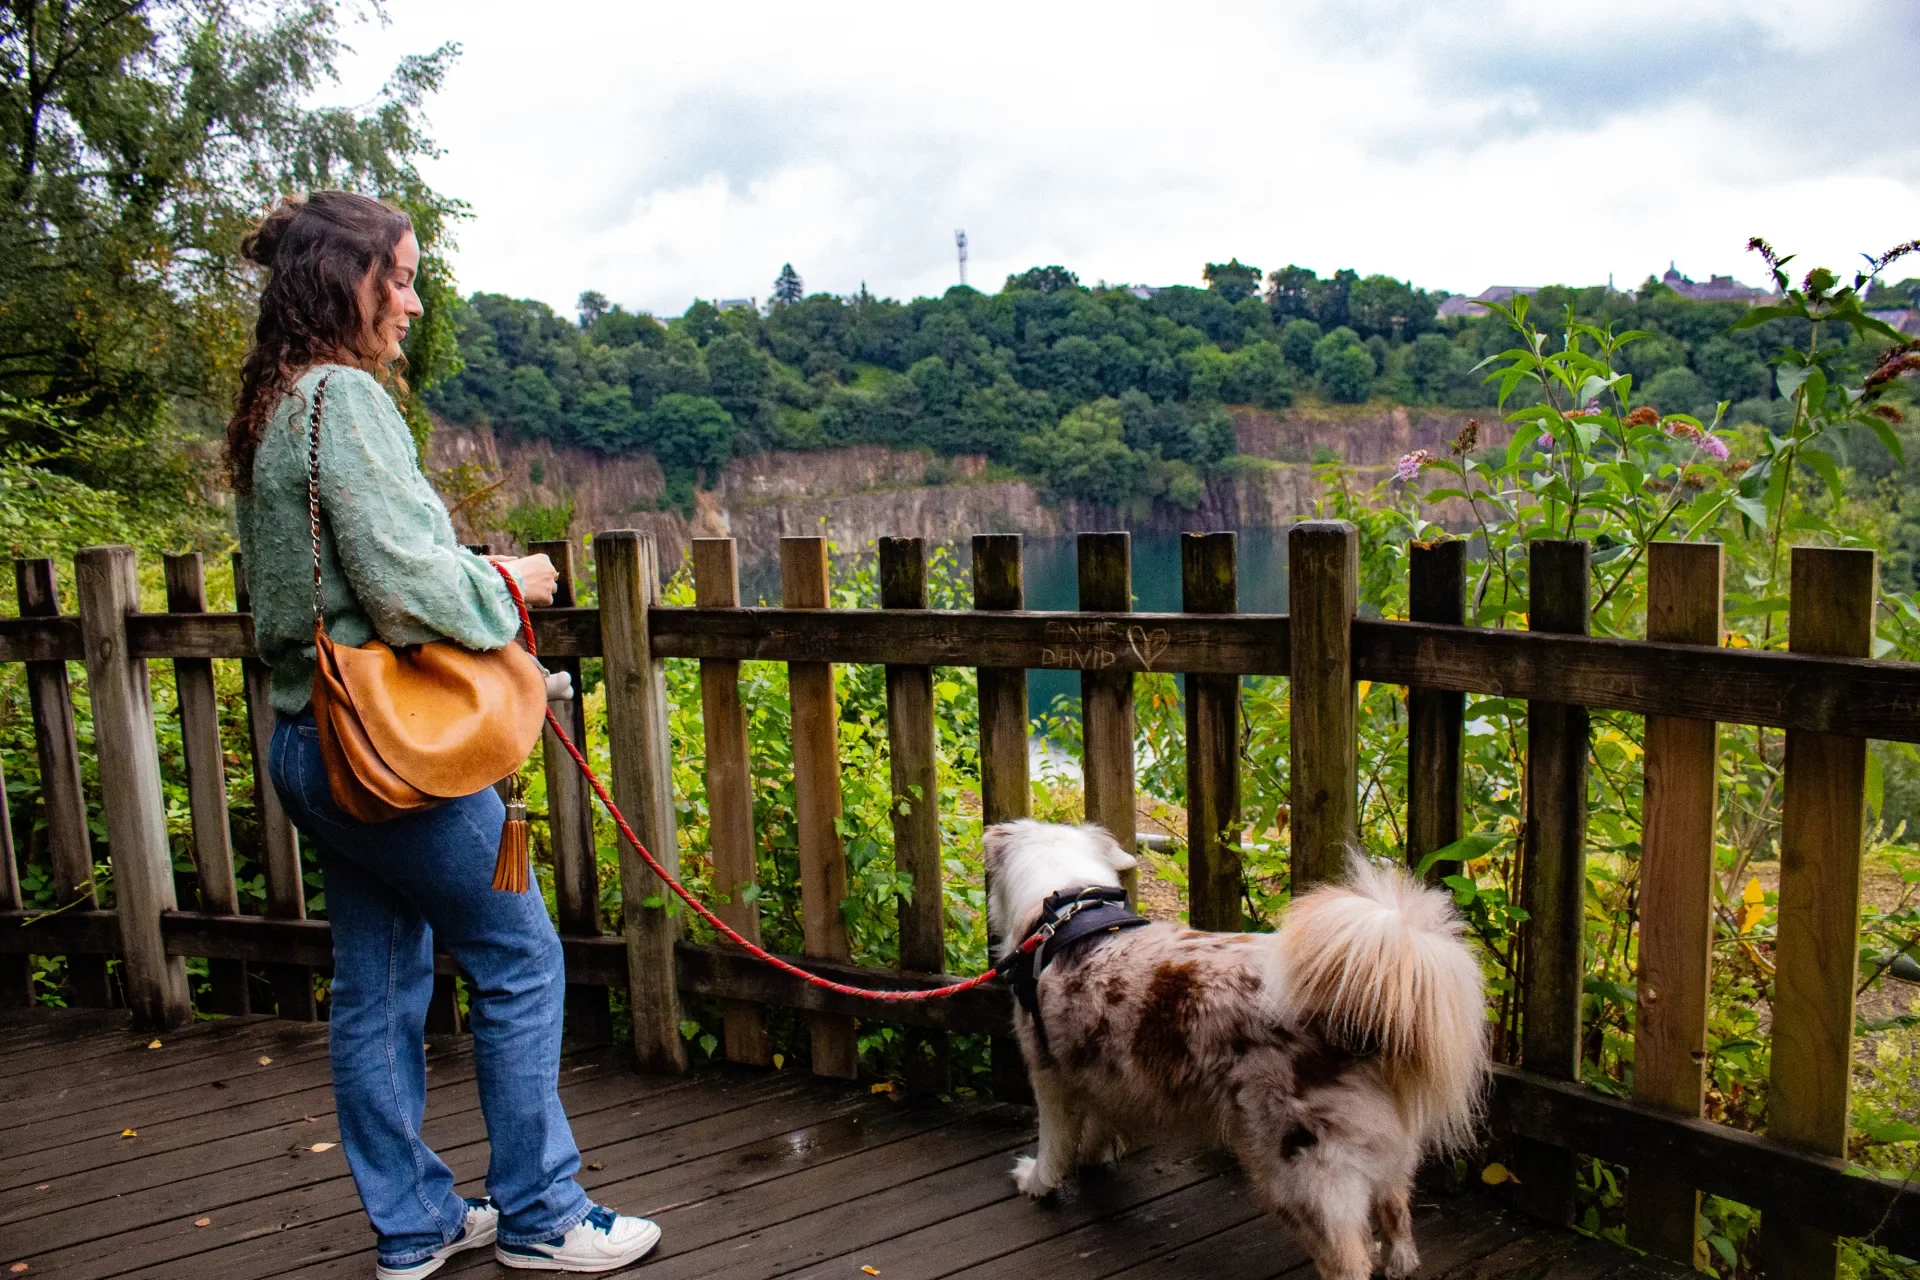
x=403, y=729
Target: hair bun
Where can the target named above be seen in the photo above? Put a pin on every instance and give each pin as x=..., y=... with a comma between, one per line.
x=262, y=243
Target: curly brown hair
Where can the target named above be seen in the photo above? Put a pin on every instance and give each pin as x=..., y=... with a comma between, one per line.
x=318, y=251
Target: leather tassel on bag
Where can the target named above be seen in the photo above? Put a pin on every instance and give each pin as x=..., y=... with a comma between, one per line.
x=510, y=872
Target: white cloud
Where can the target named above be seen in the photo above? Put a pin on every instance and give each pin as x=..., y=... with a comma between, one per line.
x=660, y=153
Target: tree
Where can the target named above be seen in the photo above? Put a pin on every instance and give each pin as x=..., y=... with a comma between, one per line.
x=1291, y=292
x=1430, y=366
x=1344, y=366
x=138, y=140
x=1296, y=343
x=689, y=431
x=1232, y=280
x=593, y=305
x=787, y=287
x=1042, y=280
x=1085, y=456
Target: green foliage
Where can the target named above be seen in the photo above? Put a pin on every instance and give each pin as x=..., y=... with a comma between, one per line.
x=531, y=521
x=1344, y=367
x=1232, y=280
x=137, y=142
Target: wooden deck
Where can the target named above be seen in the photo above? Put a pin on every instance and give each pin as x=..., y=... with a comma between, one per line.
x=751, y=1175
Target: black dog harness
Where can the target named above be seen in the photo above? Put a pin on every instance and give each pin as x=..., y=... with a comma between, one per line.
x=1069, y=918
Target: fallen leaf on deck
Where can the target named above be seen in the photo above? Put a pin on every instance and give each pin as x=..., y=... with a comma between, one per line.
x=323, y=1146
x=128, y=1133
x=307, y=1120
x=265, y=1060
x=872, y=1271
x=779, y=1060
x=1495, y=1174
x=885, y=1086
x=596, y=1165
x=153, y=1044
x=17, y=1267
x=203, y=1222
x=43, y=1186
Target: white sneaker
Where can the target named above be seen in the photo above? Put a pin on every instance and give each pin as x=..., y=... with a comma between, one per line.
x=603, y=1242
x=481, y=1226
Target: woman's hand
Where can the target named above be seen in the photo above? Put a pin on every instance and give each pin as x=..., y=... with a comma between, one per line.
x=536, y=577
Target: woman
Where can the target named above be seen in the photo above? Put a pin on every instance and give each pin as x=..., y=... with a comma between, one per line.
x=338, y=301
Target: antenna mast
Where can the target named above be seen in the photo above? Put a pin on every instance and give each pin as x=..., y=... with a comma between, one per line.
x=960, y=243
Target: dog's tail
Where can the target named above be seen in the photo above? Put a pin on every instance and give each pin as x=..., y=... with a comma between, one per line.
x=1378, y=962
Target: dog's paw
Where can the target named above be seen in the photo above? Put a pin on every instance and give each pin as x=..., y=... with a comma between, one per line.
x=1028, y=1179
x=1104, y=1151
x=1402, y=1261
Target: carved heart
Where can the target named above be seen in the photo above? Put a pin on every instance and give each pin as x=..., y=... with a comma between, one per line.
x=1148, y=645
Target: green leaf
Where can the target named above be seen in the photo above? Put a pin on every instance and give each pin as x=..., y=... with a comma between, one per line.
x=1788, y=377
x=1464, y=889
x=1889, y=1130
x=1822, y=464
x=689, y=1029
x=1751, y=508
x=1465, y=849
x=1887, y=436
x=1876, y=782
x=1760, y=315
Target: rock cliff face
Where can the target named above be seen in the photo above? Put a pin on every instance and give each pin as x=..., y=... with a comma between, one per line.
x=858, y=494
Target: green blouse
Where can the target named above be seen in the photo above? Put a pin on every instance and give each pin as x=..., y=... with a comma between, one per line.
x=390, y=565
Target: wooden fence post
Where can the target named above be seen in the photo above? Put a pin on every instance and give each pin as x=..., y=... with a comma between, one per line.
x=1214, y=888
x=1553, y=877
x=716, y=585
x=1323, y=595
x=576, y=873
x=1685, y=589
x=69, y=841
x=1436, y=592
x=206, y=782
x=1823, y=824
x=1006, y=788
x=636, y=682
x=291, y=985
x=136, y=809
x=816, y=802
x=1106, y=697
x=916, y=809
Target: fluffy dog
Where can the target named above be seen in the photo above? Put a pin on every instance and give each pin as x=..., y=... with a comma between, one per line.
x=1328, y=1056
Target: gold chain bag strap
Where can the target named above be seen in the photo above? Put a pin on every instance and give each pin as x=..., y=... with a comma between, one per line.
x=404, y=729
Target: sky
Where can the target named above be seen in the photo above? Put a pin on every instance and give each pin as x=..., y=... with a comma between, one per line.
x=662, y=153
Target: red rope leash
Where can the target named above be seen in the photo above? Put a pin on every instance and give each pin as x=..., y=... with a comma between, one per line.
x=726, y=931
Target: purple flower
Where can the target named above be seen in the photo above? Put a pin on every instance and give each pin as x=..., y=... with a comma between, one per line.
x=1545, y=442
x=1410, y=463
x=1715, y=446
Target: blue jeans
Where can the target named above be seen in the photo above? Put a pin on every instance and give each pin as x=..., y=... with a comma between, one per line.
x=393, y=889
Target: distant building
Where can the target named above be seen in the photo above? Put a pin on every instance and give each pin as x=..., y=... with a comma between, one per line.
x=736, y=304
x=1906, y=320
x=1717, y=289
x=1460, y=304
x=1142, y=291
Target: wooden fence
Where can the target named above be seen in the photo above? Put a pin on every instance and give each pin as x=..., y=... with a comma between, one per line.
x=1825, y=693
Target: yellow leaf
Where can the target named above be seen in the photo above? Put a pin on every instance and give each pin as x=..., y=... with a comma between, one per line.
x=153, y=1044
x=885, y=1086
x=128, y=1133
x=779, y=1060
x=203, y=1222
x=1494, y=1174
x=265, y=1061
x=872, y=1271
x=324, y=1146
x=1753, y=895
x=1364, y=686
